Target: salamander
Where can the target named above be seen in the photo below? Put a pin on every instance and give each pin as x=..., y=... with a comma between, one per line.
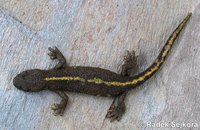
x=93, y=80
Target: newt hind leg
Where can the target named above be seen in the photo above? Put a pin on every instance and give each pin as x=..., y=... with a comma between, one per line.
x=56, y=54
x=117, y=108
x=130, y=66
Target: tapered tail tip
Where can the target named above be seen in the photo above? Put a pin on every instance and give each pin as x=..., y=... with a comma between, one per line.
x=189, y=14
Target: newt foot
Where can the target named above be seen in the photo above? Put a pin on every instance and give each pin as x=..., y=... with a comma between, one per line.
x=115, y=113
x=58, y=109
x=53, y=52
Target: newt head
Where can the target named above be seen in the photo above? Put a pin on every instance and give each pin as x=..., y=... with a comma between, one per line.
x=30, y=80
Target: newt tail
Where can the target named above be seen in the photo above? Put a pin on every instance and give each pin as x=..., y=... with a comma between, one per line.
x=145, y=75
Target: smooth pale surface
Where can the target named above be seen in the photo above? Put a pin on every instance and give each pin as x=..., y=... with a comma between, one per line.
x=97, y=33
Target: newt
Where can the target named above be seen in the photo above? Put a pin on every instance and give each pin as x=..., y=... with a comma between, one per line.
x=93, y=80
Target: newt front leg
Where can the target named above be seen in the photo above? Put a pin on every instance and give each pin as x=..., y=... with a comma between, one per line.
x=59, y=108
x=56, y=54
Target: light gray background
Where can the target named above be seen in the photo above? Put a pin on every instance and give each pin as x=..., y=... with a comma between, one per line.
x=97, y=33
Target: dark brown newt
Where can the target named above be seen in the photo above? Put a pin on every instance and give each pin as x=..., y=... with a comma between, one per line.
x=92, y=80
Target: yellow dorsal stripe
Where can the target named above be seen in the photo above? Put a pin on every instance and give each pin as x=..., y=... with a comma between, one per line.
x=138, y=79
x=109, y=83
